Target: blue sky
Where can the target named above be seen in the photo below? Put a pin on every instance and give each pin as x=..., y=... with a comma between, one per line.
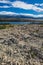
x=32, y=8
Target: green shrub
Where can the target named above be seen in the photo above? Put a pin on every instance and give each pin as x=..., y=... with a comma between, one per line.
x=2, y=26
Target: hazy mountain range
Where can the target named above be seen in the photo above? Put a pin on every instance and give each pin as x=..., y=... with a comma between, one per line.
x=19, y=16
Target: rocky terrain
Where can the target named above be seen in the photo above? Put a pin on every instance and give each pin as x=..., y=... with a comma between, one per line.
x=21, y=45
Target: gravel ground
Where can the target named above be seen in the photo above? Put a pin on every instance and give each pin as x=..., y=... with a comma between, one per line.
x=21, y=45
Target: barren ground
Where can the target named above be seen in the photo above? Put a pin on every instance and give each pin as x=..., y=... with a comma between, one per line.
x=21, y=45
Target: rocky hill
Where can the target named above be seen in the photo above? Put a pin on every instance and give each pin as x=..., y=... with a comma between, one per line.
x=21, y=45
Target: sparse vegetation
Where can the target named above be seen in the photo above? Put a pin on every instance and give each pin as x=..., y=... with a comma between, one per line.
x=4, y=26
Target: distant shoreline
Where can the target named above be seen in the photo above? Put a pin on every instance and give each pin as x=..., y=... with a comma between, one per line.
x=20, y=20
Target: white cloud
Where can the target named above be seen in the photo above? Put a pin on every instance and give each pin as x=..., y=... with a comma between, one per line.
x=40, y=15
x=24, y=14
x=5, y=1
x=23, y=5
x=39, y=4
x=5, y=6
x=8, y=13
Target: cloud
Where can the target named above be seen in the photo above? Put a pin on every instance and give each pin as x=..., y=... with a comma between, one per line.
x=5, y=6
x=23, y=5
x=8, y=13
x=32, y=15
x=14, y=14
x=5, y=1
x=39, y=4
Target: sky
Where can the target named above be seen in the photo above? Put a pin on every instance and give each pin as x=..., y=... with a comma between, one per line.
x=32, y=8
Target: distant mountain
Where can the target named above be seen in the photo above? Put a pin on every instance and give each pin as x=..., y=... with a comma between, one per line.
x=19, y=16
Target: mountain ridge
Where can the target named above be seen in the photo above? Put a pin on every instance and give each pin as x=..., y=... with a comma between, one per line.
x=19, y=16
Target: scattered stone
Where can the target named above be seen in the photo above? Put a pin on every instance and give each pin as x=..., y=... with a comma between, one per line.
x=21, y=45
x=10, y=41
